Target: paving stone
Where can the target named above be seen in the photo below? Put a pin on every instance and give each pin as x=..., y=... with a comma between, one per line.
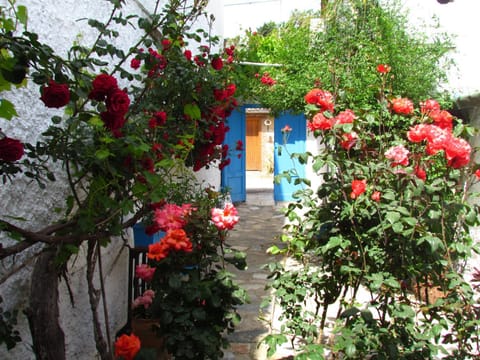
x=256, y=231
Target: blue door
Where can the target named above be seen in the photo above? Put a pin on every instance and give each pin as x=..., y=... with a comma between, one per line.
x=285, y=146
x=233, y=175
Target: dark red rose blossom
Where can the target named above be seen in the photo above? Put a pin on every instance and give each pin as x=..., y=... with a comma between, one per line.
x=118, y=102
x=239, y=145
x=166, y=44
x=112, y=121
x=55, y=95
x=10, y=149
x=135, y=63
x=217, y=63
x=102, y=85
x=188, y=55
x=199, y=61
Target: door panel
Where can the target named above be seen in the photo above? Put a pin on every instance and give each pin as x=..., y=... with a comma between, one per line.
x=295, y=143
x=253, y=143
x=233, y=175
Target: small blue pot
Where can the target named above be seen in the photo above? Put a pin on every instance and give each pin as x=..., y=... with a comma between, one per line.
x=140, y=239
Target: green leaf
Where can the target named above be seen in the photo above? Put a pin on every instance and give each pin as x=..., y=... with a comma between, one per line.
x=102, y=154
x=397, y=227
x=392, y=217
x=192, y=111
x=350, y=350
x=96, y=121
x=22, y=14
x=7, y=109
x=410, y=221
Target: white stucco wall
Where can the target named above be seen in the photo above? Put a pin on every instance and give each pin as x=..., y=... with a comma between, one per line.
x=57, y=23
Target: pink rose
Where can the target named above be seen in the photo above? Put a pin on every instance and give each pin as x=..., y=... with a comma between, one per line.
x=376, y=196
x=398, y=154
x=144, y=272
x=226, y=218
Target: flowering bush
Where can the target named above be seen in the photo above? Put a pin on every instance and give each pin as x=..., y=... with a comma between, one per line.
x=190, y=292
x=386, y=236
x=131, y=122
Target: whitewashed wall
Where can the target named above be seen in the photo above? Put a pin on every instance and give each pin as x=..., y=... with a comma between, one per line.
x=57, y=23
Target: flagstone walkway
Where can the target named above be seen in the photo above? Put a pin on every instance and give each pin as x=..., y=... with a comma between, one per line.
x=260, y=226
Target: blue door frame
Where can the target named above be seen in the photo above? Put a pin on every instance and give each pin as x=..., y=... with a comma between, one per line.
x=287, y=144
x=233, y=176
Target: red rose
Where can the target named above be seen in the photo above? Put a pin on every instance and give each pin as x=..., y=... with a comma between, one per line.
x=55, y=95
x=402, y=106
x=166, y=44
x=113, y=122
x=102, y=85
x=383, y=68
x=217, y=63
x=135, y=63
x=127, y=346
x=117, y=102
x=320, y=122
x=358, y=188
x=321, y=98
x=188, y=55
x=10, y=149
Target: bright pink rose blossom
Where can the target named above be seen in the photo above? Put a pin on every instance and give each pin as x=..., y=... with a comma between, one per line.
x=172, y=216
x=398, y=154
x=144, y=272
x=226, y=218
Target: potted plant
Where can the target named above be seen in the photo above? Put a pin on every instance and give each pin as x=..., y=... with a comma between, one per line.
x=190, y=300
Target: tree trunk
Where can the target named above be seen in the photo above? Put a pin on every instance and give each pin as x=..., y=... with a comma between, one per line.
x=47, y=335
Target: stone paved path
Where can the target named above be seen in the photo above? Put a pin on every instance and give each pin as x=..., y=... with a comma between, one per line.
x=260, y=223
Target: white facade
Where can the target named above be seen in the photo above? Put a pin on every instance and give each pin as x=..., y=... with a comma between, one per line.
x=58, y=25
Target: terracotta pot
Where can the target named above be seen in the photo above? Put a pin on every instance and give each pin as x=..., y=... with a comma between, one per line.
x=145, y=330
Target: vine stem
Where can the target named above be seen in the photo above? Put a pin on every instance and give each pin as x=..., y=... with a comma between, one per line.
x=104, y=300
x=93, y=295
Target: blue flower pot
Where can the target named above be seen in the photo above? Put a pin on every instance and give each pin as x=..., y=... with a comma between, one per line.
x=140, y=239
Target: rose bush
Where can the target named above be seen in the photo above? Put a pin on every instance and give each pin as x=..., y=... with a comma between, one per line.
x=386, y=236
x=190, y=294
x=133, y=123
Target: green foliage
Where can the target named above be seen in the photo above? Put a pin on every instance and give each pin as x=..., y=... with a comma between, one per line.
x=196, y=297
x=379, y=238
x=338, y=51
x=134, y=122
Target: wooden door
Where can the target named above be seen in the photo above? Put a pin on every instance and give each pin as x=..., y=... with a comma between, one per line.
x=253, y=143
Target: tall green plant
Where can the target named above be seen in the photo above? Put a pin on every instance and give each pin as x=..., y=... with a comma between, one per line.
x=386, y=236
x=337, y=50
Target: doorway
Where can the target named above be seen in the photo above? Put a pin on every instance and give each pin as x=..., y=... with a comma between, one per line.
x=259, y=156
x=269, y=152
